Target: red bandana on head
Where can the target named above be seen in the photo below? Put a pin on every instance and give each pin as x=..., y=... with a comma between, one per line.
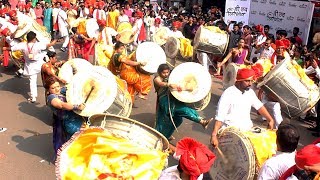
x=245, y=74
x=195, y=158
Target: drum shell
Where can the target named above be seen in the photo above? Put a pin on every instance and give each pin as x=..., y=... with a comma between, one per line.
x=122, y=105
x=172, y=50
x=294, y=97
x=206, y=41
x=202, y=104
x=135, y=131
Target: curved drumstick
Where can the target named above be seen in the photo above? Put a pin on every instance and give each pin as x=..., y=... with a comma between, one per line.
x=224, y=159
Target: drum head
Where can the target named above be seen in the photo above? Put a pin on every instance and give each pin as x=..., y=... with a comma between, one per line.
x=172, y=47
x=124, y=26
x=66, y=70
x=135, y=131
x=126, y=37
x=239, y=154
x=152, y=54
x=92, y=27
x=161, y=35
x=103, y=93
x=22, y=29
x=191, y=76
x=230, y=75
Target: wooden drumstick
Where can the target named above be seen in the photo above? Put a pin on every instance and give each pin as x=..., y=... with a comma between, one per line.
x=224, y=159
x=89, y=94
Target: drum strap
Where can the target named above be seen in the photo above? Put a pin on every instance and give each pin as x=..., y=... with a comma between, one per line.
x=168, y=95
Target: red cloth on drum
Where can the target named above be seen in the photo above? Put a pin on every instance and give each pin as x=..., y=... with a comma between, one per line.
x=143, y=34
x=195, y=158
x=258, y=70
x=137, y=82
x=245, y=74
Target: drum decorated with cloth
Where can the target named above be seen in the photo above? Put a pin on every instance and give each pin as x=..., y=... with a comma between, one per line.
x=244, y=153
x=211, y=39
x=100, y=91
x=87, y=27
x=152, y=54
x=124, y=26
x=293, y=89
x=194, y=80
x=71, y=67
x=161, y=35
x=179, y=48
x=123, y=149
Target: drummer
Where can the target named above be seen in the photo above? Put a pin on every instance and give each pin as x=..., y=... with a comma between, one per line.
x=66, y=122
x=235, y=105
x=170, y=111
x=121, y=65
x=50, y=69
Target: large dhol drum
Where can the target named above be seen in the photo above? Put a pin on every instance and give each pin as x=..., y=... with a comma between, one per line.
x=87, y=27
x=99, y=90
x=124, y=26
x=173, y=49
x=123, y=149
x=202, y=104
x=288, y=83
x=244, y=153
x=71, y=67
x=125, y=31
x=161, y=35
x=230, y=74
x=152, y=54
x=195, y=81
x=211, y=40
x=135, y=131
x=26, y=24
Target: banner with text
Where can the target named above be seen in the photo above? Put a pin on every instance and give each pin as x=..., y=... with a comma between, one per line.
x=237, y=10
x=282, y=14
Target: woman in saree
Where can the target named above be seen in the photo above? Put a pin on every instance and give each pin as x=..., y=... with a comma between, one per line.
x=124, y=67
x=66, y=122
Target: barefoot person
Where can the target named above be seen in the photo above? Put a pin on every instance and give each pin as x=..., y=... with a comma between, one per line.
x=169, y=109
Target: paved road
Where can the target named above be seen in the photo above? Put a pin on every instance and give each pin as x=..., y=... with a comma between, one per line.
x=26, y=147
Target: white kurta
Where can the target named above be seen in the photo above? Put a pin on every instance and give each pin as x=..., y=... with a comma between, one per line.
x=274, y=167
x=31, y=66
x=177, y=34
x=172, y=173
x=123, y=18
x=99, y=14
x=62, y=23
x=136, y=28
x=234, y=108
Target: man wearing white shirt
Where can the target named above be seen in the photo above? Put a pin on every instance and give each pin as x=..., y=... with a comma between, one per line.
x=287, y=142
x=33, y=60
x=63, y=25
x=99, y=13
x=265, y=51
x=123, y=17
x=235, y=104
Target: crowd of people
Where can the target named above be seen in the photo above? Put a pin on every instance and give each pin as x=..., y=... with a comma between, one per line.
x=63, y=20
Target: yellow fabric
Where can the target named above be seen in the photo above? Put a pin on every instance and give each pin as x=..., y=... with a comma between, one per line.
x=299, y=73
x=215, y=29
x=81, y=28
x=104, y=53
x=96, y=153
x=112, y=19
x=125, y=26
x=264, y=145
x=266, y=64
x=17, y=55
x=317, y=177
x=186, y=49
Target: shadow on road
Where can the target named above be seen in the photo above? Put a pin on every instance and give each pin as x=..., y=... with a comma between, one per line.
x=42, y=113
x=37, y=144
x=145, y=118
x=16, y=86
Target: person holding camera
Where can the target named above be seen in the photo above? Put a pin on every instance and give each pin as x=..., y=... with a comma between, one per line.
x=235, y=35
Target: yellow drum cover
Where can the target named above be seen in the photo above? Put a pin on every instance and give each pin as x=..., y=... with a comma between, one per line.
x=104, y=54
x=17, y=55
x=97, y=153
x=126, y=36
x=264, y=145
x=124, y=26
